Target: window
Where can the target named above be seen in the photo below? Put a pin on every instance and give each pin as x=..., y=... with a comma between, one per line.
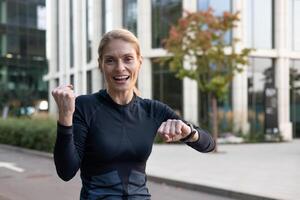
x=130, y=15
x=103, y=16
x=89, y=25
x=219, y=8
x=71, y=35
x=72, y=79
x=295, y=24
x=166, y=87
x=295, y=96
x=3, y=44
x=57, y=36
x=89, y=88
x=261, y=79
x=260, y=24
x=164, y=14
x=3, y=12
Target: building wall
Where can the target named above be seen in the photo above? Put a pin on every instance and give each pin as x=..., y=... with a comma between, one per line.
x=276, y=46
x=22, y=53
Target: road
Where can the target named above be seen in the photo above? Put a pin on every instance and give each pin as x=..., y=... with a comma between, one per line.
x=25, y=176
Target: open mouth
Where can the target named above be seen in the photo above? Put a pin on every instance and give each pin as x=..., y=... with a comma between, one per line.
x=121, y=78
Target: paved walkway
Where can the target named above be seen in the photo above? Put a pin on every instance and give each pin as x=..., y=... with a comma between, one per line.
x=270, y=170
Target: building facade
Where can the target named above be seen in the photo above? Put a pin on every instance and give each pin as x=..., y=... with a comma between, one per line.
x=264, y=98
x=23, y=60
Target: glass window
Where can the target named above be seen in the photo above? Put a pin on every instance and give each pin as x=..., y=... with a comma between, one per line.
x=3, y=11
x=3, y=44
x=89, y=82
x=57, y=36
x=261, y=82
x=71, y=35
x=130, y=15
x=295, y=24
x=164, y=14
x=12, y=13
x=219, y=8
x=295, y=96
x=72, y=79
x=41, y=16
x=260, y=24
x=103, y=17
x=14, y=43
x=89, y=25
x=166, y=87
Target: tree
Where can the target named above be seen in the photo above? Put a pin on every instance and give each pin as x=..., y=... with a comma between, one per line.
x=199, y=39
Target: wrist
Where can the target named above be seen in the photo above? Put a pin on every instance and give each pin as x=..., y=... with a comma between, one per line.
x=192, y=136
x=65, y=120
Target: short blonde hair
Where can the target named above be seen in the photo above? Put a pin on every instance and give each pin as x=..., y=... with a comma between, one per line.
x=121, y=34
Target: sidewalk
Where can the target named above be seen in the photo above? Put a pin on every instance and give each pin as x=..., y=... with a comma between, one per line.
x=268, y=170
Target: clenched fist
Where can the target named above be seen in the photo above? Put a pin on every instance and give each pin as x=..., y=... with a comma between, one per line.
x=65, y=99
x=173, y=130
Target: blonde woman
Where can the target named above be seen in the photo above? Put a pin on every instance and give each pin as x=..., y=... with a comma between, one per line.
x=109, y=135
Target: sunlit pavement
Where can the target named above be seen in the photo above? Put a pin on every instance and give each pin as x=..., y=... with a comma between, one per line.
x=269, y=170
x=30, y=175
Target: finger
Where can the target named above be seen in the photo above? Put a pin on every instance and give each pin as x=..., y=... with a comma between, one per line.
x=178, y=126
x=167, y=127
x=161, y=128
x=172, y=128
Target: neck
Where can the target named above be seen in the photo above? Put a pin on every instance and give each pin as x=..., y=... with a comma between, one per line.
x=121, y=98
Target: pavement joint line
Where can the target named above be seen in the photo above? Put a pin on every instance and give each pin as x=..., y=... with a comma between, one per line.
x=167, y=181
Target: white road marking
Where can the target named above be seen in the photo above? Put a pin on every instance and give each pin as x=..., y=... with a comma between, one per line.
x=11, y=166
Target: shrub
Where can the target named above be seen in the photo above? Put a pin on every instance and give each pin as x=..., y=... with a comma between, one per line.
x=36, y=134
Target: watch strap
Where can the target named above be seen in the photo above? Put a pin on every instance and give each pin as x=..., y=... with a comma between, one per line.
x=189, y=136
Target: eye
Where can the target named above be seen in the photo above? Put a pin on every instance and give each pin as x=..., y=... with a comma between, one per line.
x=128, y=59
x=108, y=60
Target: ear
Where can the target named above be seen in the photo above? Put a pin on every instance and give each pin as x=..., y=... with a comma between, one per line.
x=141, y=60
x=99, y=64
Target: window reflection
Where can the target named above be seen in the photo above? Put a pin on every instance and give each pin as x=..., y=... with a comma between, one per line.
x=260, y=77
x=166, y=87
x=295, y=96
x=130, y=15
x=260, y=20
x=164, y=14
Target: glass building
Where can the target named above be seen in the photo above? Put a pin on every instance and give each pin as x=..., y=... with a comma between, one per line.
x=22, y=52
x=264, y=98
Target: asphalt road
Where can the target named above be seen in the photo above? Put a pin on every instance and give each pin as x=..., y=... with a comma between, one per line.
x=25, y=176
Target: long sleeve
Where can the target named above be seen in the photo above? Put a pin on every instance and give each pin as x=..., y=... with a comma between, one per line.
x=70, y=145
x=205, y=143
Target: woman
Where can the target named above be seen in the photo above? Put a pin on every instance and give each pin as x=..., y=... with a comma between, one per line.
x=109, y=134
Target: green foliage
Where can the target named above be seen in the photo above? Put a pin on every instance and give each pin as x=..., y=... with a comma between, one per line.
x=36, y=134
x=199, y=40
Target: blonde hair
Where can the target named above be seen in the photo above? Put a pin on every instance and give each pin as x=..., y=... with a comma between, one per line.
x=124, y=35
x=121, y=34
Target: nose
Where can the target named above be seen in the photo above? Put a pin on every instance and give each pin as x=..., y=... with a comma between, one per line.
x=120, y=65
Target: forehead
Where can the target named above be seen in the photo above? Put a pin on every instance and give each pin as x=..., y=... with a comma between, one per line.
x=118, y=47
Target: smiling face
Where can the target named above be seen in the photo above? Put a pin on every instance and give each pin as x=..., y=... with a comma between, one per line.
x=120, y=65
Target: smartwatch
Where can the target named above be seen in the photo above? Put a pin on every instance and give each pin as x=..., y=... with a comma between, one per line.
x=189, y=136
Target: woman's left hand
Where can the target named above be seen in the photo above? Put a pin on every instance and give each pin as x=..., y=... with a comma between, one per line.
x=173, y=130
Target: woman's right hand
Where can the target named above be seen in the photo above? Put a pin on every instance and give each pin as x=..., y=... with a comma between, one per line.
x=65, y=99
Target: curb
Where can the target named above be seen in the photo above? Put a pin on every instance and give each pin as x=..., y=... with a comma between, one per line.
x=208, y=189
x=27, y=151
x=156, y=179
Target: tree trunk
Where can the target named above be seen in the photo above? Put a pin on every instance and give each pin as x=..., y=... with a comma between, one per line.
x=214, y=117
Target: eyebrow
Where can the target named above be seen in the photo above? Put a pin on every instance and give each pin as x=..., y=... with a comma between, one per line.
x=112, y=56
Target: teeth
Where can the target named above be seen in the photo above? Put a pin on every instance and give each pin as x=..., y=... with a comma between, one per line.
x=121, y=77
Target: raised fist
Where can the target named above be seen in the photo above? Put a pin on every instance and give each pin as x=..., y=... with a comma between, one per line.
x=65, y=99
